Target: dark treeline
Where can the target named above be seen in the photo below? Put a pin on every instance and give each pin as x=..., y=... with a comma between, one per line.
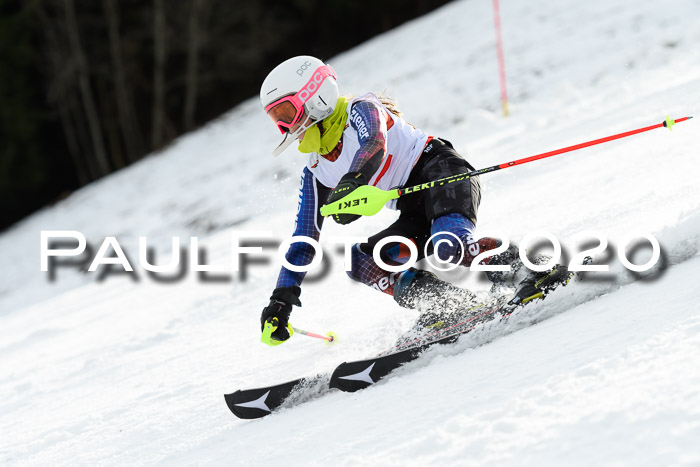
x=88, y=87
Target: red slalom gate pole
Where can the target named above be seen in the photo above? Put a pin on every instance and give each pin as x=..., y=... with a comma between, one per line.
x=501, y=60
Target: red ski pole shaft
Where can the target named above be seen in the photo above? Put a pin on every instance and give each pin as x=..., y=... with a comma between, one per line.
x=330, y=337
x=668, y=123
x=525, y=160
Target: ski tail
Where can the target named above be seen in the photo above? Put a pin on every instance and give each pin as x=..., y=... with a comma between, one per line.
x=257, y=403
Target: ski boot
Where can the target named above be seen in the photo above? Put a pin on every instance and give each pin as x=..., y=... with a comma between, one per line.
x=440, y=303
x=538, y=284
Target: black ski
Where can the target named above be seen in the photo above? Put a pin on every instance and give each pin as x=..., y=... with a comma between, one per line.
x=353, y=376
x=259, y=402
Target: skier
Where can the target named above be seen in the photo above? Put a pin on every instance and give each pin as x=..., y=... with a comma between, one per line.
x=364, y=140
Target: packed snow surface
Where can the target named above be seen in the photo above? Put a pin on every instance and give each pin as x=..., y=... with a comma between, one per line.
x=606, y=372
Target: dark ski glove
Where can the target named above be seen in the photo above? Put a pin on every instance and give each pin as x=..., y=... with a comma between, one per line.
x=349, y=183
x=280, y=308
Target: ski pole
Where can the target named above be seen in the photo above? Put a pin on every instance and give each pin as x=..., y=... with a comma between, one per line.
x=368, y=200
x=270, y=326
x=329, y=337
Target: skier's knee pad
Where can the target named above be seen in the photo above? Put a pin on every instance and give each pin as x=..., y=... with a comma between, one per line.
x=450, y=233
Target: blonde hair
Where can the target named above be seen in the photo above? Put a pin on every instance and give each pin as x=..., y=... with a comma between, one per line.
x=391, y=104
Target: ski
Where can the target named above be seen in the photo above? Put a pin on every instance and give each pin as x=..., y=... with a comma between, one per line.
x=353, y=376
x=255, y=403
x=356, y=375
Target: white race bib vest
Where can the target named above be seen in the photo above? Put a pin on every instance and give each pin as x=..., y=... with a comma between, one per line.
x=404, y=146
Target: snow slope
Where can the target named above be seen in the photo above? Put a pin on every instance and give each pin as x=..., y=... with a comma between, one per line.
x=608, y=372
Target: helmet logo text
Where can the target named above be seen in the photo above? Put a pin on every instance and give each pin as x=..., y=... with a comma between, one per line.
x=302, y=68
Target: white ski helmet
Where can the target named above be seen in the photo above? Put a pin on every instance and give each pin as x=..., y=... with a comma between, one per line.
x=300, y=84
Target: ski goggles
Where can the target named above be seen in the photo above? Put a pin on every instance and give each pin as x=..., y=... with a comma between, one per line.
x=287, y=111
